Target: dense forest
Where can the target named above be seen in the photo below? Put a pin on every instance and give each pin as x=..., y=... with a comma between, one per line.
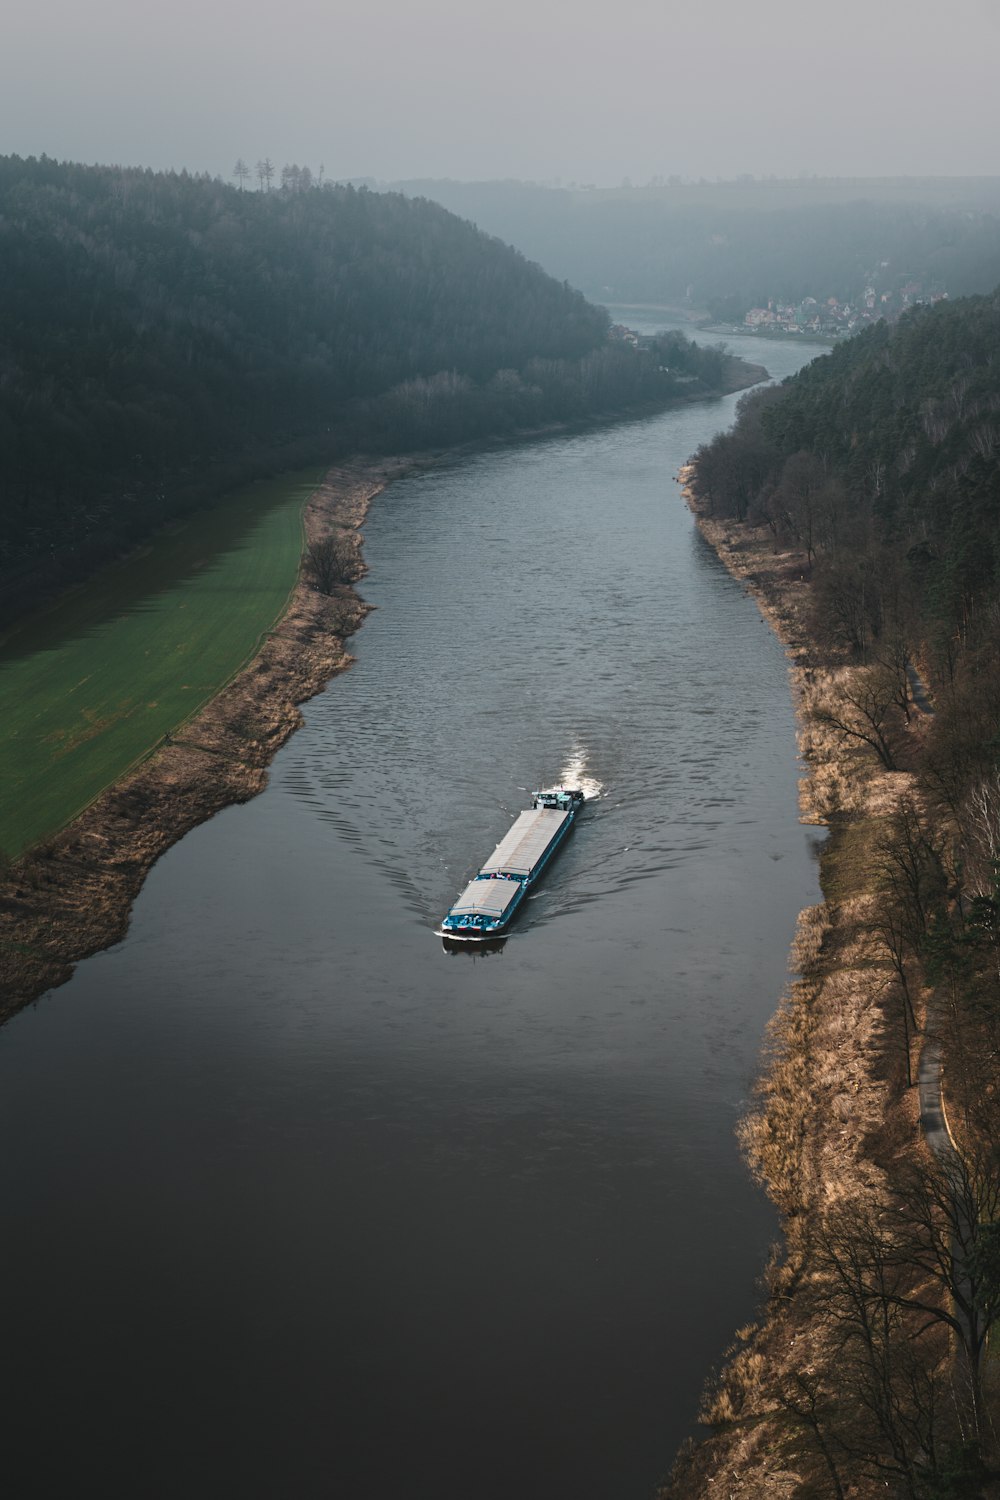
x=874, y=475
x=883, y=460
x=164, y=337
x=724, y=248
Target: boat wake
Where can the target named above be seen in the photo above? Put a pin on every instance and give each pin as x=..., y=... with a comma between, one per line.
x=574, y=776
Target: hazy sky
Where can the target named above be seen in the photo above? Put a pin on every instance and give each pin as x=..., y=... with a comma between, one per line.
x=539, y=89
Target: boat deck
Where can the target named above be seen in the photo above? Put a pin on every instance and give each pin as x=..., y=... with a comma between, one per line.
x=519, y=851
x=486, y=898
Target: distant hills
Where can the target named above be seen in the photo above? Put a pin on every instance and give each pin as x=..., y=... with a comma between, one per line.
x=723, y=248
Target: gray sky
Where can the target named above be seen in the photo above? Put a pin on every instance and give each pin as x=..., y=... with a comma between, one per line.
x=539, y=89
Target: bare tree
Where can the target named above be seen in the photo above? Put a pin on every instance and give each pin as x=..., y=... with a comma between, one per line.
x=893, y=656
x=331, y=561
x=891, y=926
x=265, y=171
x=981, y=818
x=883, y=1287
x=900, y=1290
x=863, y=710
x=801, y=481
x=802, y=1397
x=848, y=603
x=909, y=871
x=296, y=179
x=947, y=1240
x=241, y=171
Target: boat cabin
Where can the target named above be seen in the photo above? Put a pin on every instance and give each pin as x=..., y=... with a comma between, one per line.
x=559, y=799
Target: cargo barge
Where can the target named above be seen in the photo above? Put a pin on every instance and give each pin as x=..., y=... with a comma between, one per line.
x=489, y=903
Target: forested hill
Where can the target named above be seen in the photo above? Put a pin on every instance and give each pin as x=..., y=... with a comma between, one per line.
x=164, y=336
x=882, y=459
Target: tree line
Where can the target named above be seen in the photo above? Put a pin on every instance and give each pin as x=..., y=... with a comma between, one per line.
x=293, y=178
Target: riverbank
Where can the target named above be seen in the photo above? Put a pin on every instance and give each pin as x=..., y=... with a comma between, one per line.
x=836, y=1113
x=771, y=335
x=72, y=895
x=697, y=318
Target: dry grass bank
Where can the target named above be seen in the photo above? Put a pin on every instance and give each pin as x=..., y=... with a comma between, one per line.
x=834, y=1119
x=72, y=896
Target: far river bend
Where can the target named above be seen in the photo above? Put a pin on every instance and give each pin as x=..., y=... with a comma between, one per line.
x=296, y=1205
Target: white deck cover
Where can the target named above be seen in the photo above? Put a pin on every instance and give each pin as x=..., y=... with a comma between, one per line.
x=485, y=898
x=519, y=852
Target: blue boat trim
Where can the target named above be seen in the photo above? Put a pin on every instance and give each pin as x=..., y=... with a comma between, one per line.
x=487, y=906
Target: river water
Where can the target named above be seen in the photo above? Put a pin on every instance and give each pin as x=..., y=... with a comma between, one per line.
x=297, y=1204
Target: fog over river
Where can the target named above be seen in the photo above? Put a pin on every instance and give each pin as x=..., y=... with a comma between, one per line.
x=298, y=1205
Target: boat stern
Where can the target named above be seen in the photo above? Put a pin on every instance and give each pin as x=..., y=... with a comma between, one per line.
x=483, y=909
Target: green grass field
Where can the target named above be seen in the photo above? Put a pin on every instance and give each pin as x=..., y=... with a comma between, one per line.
x=91, y=685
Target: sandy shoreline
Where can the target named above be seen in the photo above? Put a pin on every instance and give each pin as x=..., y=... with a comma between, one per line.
x=73, y=895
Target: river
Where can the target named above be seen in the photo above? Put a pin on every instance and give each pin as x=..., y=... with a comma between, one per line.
x=295, y=1203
